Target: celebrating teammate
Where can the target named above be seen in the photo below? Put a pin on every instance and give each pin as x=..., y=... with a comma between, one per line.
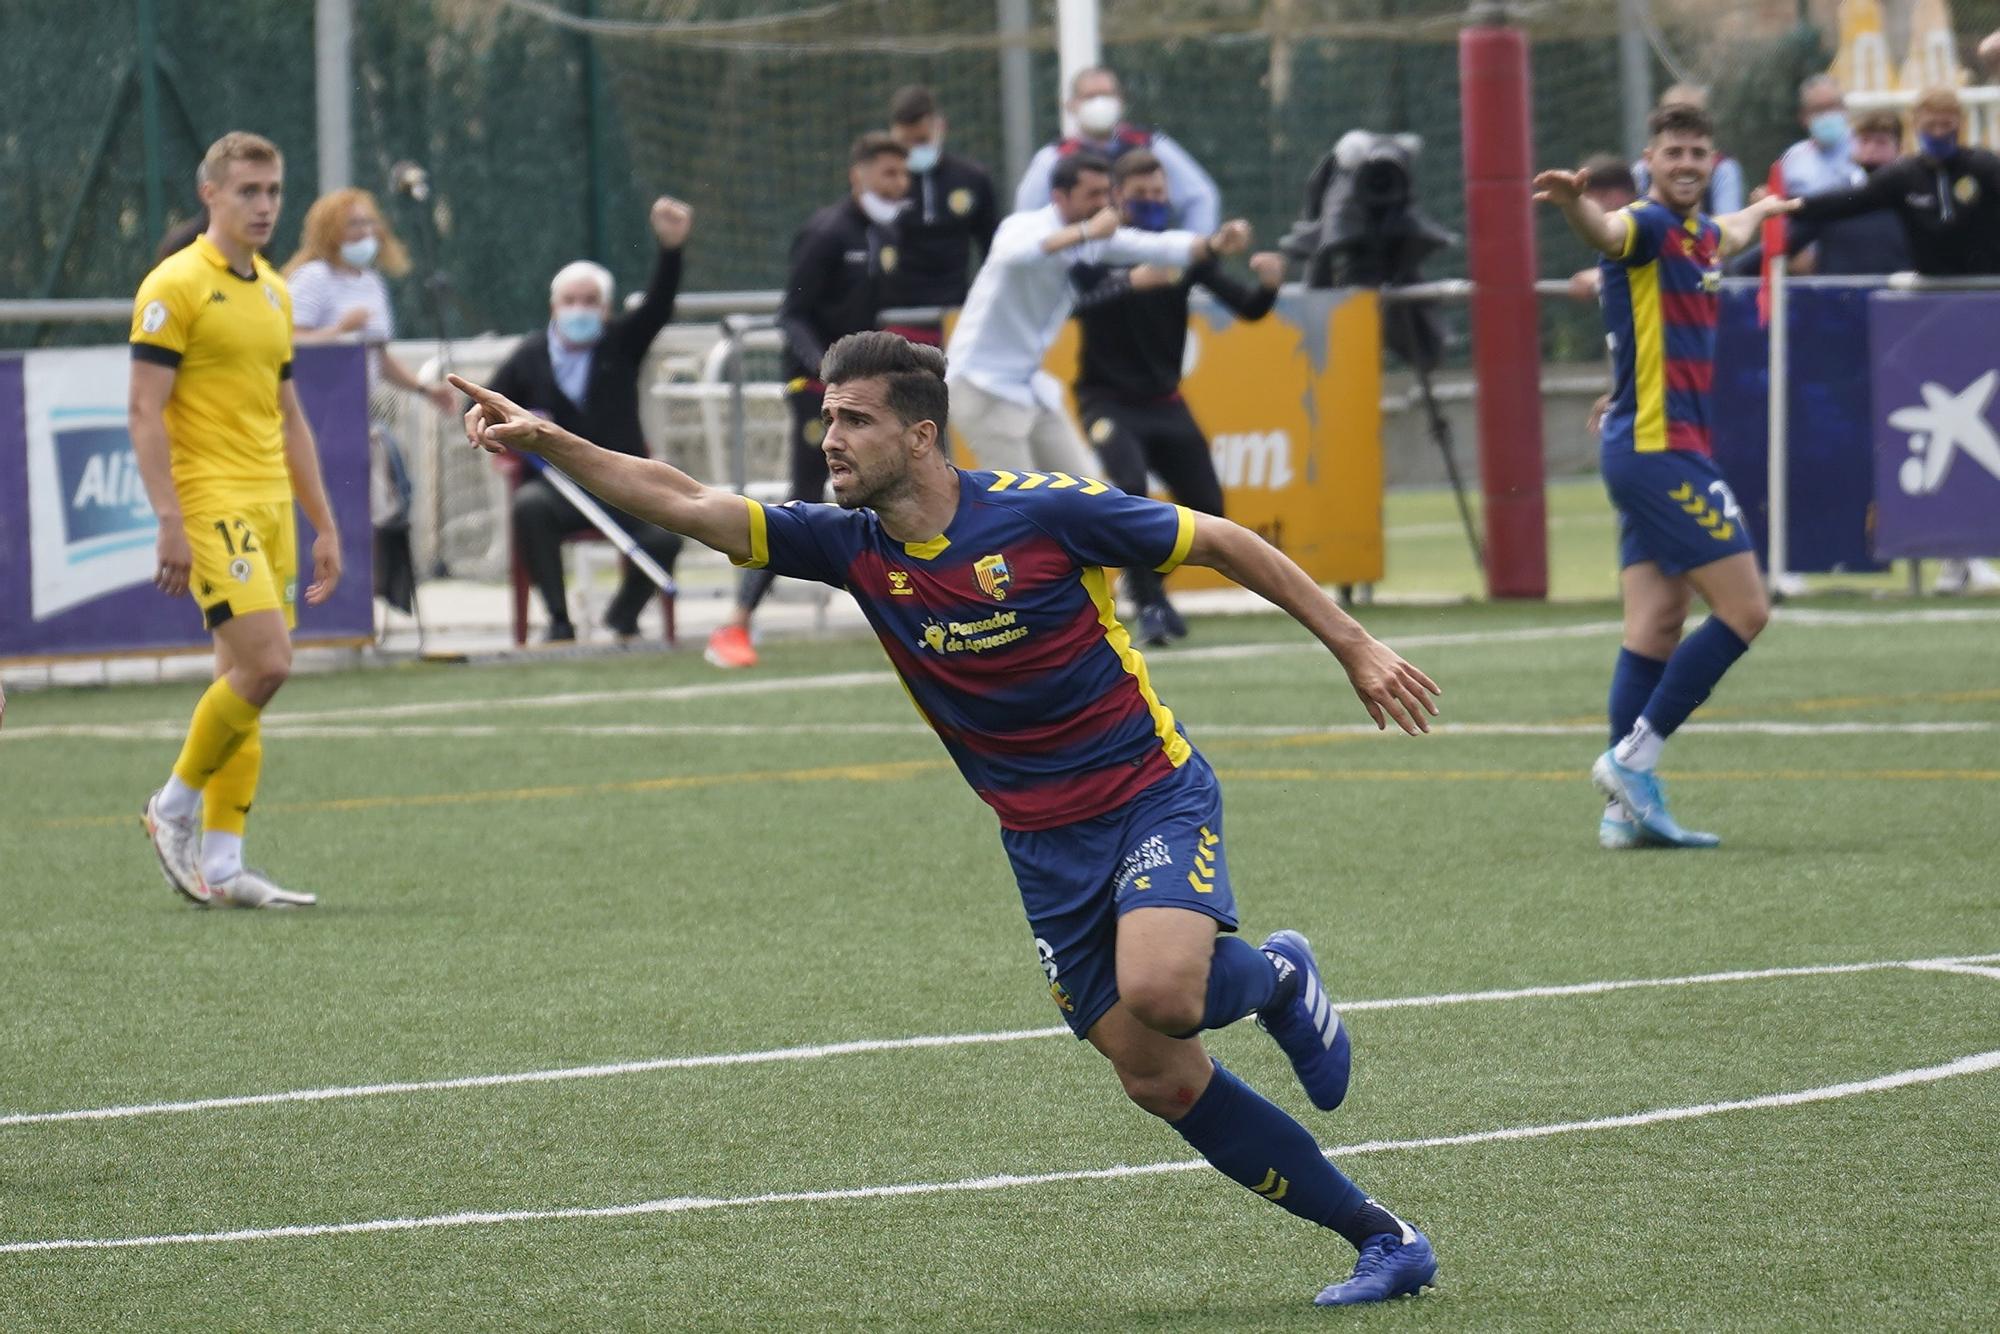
x=222, y=446
x=987, y=591
x=1680, y=531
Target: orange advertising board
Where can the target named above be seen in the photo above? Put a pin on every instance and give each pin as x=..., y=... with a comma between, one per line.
x=1292, y=407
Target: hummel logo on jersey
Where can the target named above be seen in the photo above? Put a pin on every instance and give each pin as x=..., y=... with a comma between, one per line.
x=216, y=298
x=1945, y=426
x=899, y=584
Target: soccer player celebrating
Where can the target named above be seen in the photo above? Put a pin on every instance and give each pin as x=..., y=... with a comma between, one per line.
x=1680, y=529
x=223, y=446
x=987, y=591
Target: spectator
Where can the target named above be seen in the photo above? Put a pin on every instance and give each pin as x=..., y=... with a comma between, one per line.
x=1725, y=184
x=1007, y=407
x=1947, y=195
x=1128, y=383
x=951, y=210
x=1989, y=53
x=1873, y=242
x=841, y=260
x=1098, y=104
x=336, y=277
x=1824, y=159
x=582, y=372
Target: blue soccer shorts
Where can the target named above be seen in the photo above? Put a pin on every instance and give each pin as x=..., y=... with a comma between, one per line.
x=1674, y=509
x=1163, y=849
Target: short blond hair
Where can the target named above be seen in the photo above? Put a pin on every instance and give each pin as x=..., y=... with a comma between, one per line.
x=1932, y=100
x=236, y=146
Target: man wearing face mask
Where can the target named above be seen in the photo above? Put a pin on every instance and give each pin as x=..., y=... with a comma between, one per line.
x=582, y=372
x=1128, y=380
x=951, y=210
x=841, y=261
x=1098, y=103
x=1007, y=407
x=1946, y=195
x=1824, y=159
x=1870, y=243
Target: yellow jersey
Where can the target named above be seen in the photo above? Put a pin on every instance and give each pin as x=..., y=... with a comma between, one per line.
x=228, y=339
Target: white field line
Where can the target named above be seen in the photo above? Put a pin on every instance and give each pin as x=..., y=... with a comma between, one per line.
x=1978, y=1063
x=153, y=732
x=817, y=1052
x=1957, y=966
x=775, y=685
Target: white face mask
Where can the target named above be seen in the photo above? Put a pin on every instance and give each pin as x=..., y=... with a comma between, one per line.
x=880, y=211
x=359, y=254
x=925, y=156
x=1100, y=115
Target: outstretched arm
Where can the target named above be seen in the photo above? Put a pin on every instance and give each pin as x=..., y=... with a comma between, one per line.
x=656, y=492
x=1389, y=688
x=1741, y=229
x=1606, y=233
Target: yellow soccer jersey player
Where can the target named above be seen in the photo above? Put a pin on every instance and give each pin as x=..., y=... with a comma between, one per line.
x=223, y=445
x=227, y=336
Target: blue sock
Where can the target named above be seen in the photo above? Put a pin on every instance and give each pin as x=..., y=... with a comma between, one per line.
x=1691, y=674
x=1253, y=1142
x=1241, y=980
x=1633, y=681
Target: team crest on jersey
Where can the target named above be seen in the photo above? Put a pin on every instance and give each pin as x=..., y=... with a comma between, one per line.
x=959, y=201
x=899, y=584
x=993, y=576
x=1967, y=190
x=271, y=295
x=239, y=570
x=887, y=259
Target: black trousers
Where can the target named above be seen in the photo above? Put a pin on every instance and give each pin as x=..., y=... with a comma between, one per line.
x=808, y=477
x=1161, y=437
x=543, y=517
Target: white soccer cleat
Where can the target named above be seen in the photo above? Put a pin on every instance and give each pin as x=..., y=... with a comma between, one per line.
x=254, y=889
x=1966, y=576
x=177, y=843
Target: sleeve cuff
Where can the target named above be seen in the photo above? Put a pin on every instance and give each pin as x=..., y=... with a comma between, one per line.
x=760, y=540
x=155, y=355
x=1183, y=541
x=284, y=372
x=1631, y=233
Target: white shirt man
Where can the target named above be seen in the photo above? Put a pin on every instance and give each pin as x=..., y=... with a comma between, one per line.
x=1008, y=408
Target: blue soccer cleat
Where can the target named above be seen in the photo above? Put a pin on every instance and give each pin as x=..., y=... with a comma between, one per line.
x=1616, y=832
x=1645, y=802
x=1390, y=1266
x=1302, y=1019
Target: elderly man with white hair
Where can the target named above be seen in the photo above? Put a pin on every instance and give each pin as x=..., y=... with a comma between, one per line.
x=582, y=372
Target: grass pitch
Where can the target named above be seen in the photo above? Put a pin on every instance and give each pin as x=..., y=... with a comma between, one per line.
x=617, y=864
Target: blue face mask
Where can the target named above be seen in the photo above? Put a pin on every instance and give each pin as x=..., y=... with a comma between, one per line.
x=1829, y=129
x=1149, y=215
x=1939, y=147
x=359, y=254
x=580, y=326
x=924, y=157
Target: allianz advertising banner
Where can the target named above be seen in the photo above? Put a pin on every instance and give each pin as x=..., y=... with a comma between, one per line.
x=77, y=532
x=1936, y=423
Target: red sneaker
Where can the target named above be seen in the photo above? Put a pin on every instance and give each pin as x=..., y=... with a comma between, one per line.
x=730, y=646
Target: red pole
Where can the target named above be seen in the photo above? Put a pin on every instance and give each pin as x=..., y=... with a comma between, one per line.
x=1506, y=333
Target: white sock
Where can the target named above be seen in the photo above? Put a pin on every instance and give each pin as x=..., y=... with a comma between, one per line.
x=178, y=801
x=1641, y=747
x=221, y=855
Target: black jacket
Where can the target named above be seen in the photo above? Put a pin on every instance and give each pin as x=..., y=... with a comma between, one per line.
x=609, y=413
x=838, y=261
x=1134, y=341
x=1950, y=211
x=950, y=210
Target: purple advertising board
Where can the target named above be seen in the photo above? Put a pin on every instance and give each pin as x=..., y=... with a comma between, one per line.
x=76, y=532
x=1936, y=364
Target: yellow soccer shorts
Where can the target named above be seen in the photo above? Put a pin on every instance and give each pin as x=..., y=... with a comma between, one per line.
x=246, y=558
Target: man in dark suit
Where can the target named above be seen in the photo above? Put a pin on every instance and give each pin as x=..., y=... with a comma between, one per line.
x=582, y=372
x=951, y=211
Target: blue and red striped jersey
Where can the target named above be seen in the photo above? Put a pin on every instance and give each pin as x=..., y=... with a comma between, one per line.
x=1003, y=630
x=1660, y=299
